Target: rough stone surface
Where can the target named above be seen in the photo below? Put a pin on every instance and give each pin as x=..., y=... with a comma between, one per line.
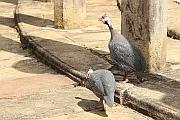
x=58, y=14
x=159, y=96
x=69, y=14
x=145, y=24
x=173, y=19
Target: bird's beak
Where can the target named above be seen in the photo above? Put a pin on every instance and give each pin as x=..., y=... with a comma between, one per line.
x=100, y=19
x=86, y=76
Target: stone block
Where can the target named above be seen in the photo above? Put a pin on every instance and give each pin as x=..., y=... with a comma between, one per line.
x=69, y=14
x=144, y=22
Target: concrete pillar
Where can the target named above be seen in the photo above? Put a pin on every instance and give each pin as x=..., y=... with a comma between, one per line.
x=69, y=14
x=144, y=22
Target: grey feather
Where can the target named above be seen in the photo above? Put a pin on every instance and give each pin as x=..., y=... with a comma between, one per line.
x=103, y=85
x=126, y=55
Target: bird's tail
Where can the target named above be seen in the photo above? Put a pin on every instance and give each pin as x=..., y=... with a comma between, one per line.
x=109, y=100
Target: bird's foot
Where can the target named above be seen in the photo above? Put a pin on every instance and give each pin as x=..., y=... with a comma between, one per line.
x=126, y=81
x=76, y=84
x=100, y=101
x=100, y=107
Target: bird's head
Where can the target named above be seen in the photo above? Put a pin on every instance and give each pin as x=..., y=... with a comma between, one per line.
x=105, y=19
x=90, y=71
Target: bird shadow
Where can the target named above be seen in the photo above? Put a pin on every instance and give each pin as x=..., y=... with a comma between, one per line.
x=90, y=106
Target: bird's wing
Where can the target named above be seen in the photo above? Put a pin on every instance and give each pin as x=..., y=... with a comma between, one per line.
x=97, y=85
x=109, y=97
x=101, y=85
x=109, y=84
x=109, y=88
x=123, y=53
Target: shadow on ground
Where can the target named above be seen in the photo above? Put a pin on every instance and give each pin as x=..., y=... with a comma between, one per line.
x=29, y=64
x=10, y=45
x=35, y=21
x=10, y=1
x=7, y=21
x=89, y=106
x=76, y=56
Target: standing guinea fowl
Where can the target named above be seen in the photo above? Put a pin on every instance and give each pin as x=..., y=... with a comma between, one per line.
x=124, y=53
x=102, y=84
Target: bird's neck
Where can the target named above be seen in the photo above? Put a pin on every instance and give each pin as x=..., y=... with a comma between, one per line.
x=111, y=30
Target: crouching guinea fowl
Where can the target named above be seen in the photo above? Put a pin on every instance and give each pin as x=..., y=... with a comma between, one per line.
x=102, y=84
x=123, y=53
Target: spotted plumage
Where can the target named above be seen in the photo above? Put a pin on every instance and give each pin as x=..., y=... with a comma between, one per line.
x=103, y=85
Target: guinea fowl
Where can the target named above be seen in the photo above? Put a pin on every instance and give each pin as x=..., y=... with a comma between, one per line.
x=102, y=84
x=123, y=53
x=177, y=1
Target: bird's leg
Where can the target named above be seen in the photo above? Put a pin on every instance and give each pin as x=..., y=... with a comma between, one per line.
x=108, y=110
x=101, y=105
x=125, y=78
x=101, y=101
